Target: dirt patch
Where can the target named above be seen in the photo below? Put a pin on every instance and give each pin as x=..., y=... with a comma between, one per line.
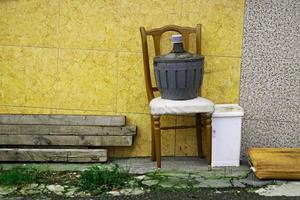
x=207, y=194
x=62, y=178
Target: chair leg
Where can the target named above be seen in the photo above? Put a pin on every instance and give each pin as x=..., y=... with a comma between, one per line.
x=204, y=146
x=157, y=140
x=199, y=135
x=153, y=156
x=208, y=130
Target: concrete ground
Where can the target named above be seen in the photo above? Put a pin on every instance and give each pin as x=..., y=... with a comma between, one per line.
x=176, y=173
x=181, y=164
x=137, y=165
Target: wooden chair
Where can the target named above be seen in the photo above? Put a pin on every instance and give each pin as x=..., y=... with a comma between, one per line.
x=202, y=108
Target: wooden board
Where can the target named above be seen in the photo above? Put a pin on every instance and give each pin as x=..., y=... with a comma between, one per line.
x=63, y=120
x=54, y=155
x=276, y=163
x=10, y=139
x=65, y=130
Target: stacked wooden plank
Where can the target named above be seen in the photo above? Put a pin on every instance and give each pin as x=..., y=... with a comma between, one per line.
x=61, y=138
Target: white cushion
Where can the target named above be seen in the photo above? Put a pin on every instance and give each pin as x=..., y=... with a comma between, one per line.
x=159, y=106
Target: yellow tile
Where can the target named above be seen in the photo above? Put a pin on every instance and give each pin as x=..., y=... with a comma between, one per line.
x=28, y=76
x=90, y=24
x=132, y=95
x=4, y=109
x=111, y=82
x=39, y=110
x=222, y=24
x=168, y=136
x=222, y=79
x=186, y=140
x=130, y=24
x=12, y=76
x=185, y=120
x=87, y=80
x=186, y=143
x=40, y=76
x=29, y=23
x=153, y=7
x=80, y=112
x=23, y=110
x=142, y=141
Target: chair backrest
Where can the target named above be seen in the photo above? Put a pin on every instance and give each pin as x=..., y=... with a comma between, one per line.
x=156, y=35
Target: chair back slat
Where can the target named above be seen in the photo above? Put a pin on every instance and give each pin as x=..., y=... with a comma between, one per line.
x=156, y=40
x=156, y=34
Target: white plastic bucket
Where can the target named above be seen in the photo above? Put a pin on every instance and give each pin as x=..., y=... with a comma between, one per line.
x=226, y=135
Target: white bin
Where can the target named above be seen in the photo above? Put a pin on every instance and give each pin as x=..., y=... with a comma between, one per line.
x=226, y=135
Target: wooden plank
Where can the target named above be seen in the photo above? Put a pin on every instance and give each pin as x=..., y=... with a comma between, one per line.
x=54, y=155
x=65, y=140
x=276, y=163
x=79, y=120
x=65, y=130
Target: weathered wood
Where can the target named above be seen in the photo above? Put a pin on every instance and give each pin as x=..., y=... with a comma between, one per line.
x=65, y=130
x=54, y=155
x=179, y=29
x=79, y=120
x=157, y=132
x=199, y=135
x=208, y=133
x=9, y=139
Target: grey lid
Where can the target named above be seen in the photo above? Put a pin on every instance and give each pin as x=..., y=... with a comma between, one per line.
x=228, y=110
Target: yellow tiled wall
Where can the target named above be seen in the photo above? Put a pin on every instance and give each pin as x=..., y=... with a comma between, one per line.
x=84, y=57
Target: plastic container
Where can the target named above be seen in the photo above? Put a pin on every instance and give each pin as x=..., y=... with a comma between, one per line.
x=226, y=135
x=178, y=74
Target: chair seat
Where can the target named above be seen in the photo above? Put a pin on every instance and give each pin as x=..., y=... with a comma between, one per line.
x=159, y=106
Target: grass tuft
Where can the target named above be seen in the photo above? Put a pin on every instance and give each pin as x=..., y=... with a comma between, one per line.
x=99, y=178
x=19, y=176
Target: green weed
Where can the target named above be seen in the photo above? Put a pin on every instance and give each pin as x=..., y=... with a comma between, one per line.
x=19, y=176
x=101, y=178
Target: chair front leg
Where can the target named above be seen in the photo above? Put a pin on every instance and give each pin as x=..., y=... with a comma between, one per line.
x=153, y=156
x=199, y=135
x=157, y=140
x=208, y=133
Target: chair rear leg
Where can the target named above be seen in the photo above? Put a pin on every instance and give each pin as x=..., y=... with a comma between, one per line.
x=153, y=156
x=157, y=140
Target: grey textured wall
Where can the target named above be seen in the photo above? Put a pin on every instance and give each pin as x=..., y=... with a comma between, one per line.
x=270, y=74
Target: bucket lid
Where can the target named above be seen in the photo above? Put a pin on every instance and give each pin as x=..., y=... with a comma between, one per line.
x=228, y=110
